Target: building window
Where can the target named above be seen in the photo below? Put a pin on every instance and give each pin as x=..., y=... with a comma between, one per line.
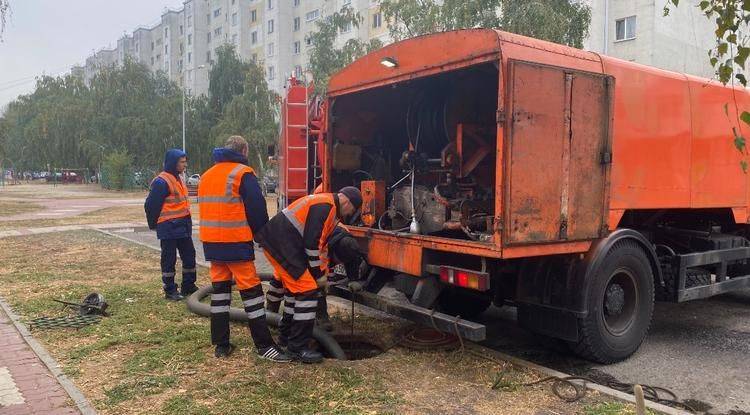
x=625, y=28
x=190, y=21
x=190, y=39
x=253, y=16
x=298, y=71
x=190, y=57
x=208, y=56
x=308, y=41
x=270, y=4
x=234, y=19
x=158, y=42
x=217, y=31
x=234, y=2
x=182, y=48
x=254, y=37
x=152, y=61
x=270, y=49
x=152, y=45
x=158, y=57
x=166, y=49
x=296, y=3
x=136, y=48
x=166, y=32
x=217, y=12
x=270, y=26
x=271, y=74
x=254, y=57
x=234, y=39
x=313, y=15
x=297, y=47
x=347, y=27
x=208, y=37
x=345, y=3
x=208, y=18
x=296, y=24
x=377, y=20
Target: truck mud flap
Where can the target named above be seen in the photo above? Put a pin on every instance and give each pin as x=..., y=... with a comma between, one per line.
x=467, y=329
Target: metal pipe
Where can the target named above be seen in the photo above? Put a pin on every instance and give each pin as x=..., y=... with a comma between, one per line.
x=325, y=340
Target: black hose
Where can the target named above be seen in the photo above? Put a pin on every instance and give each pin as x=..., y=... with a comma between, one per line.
x=325, y=340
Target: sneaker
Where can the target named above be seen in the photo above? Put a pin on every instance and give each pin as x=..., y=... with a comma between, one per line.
x=283, y=342
x=188, y=291
x=174, y=296
x=273, y=354
x=223, y=350
x=306, y=356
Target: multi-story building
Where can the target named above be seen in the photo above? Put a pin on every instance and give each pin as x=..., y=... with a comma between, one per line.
x=276, y=34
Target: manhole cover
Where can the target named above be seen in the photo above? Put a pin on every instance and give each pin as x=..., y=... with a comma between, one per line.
x=425, y=338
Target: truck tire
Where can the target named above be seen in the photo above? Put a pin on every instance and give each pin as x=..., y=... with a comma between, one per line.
x=694, y=277
x=620, y=305
x=459, y=302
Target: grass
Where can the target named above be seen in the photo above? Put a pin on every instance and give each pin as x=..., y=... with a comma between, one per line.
x=15, y=207
x=151, y=356
x=612, y=408
x=127, y=213
x=60, y=191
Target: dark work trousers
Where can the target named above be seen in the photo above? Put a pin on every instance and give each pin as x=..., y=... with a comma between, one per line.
x=169, y=248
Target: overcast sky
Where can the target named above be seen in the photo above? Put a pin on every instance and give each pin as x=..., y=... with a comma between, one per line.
x=49, y=36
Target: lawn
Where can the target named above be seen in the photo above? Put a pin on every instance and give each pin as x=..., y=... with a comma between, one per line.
x=152, y=356
x=15, y=207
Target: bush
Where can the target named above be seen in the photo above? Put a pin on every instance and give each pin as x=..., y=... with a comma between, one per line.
x=117, y=171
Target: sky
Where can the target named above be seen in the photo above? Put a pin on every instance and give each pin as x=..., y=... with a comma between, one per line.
x=50, y=36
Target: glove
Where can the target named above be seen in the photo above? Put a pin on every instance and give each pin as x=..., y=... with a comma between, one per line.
x=355, y=286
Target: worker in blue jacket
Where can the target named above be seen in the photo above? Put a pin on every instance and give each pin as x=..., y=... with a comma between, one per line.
x=168, y=211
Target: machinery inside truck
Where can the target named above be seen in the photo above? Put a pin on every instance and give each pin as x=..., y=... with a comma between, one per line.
x=423, y=151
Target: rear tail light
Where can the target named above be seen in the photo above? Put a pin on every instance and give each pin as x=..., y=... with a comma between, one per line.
x=475, y=280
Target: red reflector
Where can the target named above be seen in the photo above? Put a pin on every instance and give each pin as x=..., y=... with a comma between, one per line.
x=475, y=280
x=462, y=279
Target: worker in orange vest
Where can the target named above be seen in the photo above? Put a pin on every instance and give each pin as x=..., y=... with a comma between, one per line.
x=168, y=212
x=232, y=210
x=295, y=242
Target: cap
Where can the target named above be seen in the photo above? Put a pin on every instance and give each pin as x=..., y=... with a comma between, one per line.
x=354, y=196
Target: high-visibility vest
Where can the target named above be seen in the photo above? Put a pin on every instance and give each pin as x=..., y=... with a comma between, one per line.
x=176, y=203
x=222, y=211
x=297, y=213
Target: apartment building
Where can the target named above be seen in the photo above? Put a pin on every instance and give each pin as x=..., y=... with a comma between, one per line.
x=276, y=33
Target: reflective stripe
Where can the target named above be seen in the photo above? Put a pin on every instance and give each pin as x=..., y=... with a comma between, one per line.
x=218, y=224
x=220, y=309
x=273, y=298
x=252, y=301
x=306, y=303
x=188, y=270
x=289, y=299
x=293, y=219
x=273, y=289
x=312, y=252
x=219, y=199
x=175, y=199
x=174, y=213
x=257, y=313
x=167, y=274
x=289, y=310
x=315, y=263
x=305, y=316
x=231, y=177
x=221, y=297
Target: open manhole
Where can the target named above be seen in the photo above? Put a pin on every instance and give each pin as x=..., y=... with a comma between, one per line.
x=358, y=347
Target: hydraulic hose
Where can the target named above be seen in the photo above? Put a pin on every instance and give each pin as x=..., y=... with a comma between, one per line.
x=325, y=340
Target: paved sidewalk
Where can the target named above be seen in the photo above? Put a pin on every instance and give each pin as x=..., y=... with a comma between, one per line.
x=65, y=208
x=27, y=385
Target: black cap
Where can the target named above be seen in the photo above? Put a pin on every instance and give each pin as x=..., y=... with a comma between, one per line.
x=354, y=196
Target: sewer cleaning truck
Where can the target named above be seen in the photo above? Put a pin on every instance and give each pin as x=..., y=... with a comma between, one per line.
x=500, y=169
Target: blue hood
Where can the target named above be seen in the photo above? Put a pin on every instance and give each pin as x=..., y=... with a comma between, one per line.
x=171, y=158
x=224, y=154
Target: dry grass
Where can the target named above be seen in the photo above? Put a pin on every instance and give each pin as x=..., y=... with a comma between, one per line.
x=15, y=207
x=151, y=356
x=127, y=213
x=67, y=191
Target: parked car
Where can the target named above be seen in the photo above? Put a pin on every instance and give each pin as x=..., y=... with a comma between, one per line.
x=194, y=180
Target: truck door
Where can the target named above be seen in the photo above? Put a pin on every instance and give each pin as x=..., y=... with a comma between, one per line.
x=559, y=148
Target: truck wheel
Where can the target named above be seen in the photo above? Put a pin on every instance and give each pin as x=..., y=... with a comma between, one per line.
x=620, y=305
x=458, y=302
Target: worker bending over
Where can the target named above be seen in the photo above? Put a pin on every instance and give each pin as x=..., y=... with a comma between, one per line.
x=295, y=242
x=232, y=210
x=168, y=211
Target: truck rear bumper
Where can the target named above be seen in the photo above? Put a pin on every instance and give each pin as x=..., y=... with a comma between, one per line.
x=443, y=322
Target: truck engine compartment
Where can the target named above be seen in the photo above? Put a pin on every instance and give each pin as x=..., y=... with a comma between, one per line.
x=422, y=151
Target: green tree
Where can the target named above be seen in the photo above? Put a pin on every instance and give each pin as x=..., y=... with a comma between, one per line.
x=252, y=114
x=561, y=21
x=227, y=77
x=325, y=58
x=117, y=169
x=4, y=13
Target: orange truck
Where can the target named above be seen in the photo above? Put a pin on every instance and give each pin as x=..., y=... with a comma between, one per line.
x=579, y=188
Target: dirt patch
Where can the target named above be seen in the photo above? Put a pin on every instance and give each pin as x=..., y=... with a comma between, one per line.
x=66, y=191
x=127, y=213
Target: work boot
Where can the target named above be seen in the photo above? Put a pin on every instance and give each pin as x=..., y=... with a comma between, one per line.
x=275, y=355
x=223, y=350
x=188, y=290
x=306, y=356
x=173, y=296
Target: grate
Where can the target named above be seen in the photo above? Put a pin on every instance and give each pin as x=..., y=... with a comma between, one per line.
x=74, y=322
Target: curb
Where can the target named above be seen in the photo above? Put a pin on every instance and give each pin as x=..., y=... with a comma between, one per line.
x=75, y=394
x=344, y=303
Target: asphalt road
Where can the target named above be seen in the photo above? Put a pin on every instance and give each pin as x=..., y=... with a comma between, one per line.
x=700, y=350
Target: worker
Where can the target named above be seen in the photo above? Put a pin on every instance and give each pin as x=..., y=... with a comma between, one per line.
x=344, y=250
x=295, y=242
x=168, y=212
x=232, y=210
